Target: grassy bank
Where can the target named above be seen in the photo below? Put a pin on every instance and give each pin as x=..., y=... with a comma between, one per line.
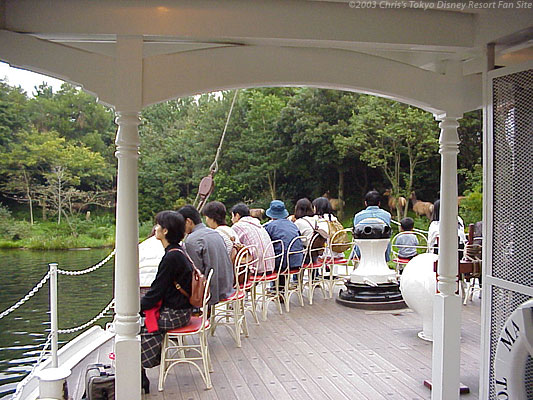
x=77, y=232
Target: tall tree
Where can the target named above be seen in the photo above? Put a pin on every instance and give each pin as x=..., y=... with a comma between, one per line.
x=393, y=137
x=313, y=119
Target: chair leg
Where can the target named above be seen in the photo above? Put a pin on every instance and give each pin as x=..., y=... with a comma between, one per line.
x=299, y=288
x=236, y=322
x=278, y=296
x=253, y=294
x=162, y=366
x=243, y=319
x=287, y=293
x=321, y=283
x=311, y=285
x=264, y=301
x=206, y=361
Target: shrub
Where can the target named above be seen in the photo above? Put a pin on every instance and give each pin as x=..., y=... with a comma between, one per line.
x=471, y=208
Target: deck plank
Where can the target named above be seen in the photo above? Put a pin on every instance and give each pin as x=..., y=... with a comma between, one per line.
x=325, y=351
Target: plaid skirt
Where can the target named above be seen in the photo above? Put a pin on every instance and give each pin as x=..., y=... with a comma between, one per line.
x=151, y=342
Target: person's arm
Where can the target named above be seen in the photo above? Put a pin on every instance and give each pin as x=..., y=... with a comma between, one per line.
x=195, y=248
x=165, y=276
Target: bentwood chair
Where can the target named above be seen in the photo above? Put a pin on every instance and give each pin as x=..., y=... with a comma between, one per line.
x=247, y=257
x=313, y=266
x=470, y=265
x=339, y=269
x=264, y=278
x=176, y=351
x=287, y=272
x=230, y=311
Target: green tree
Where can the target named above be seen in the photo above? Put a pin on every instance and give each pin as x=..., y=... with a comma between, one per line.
x=314, y=120
x=393, y=137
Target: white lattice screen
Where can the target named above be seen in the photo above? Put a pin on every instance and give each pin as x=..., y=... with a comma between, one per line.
x=508, y=203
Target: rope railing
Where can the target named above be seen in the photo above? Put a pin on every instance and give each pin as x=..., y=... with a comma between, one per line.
x=30, y=294
x=52, y=339
x=101, y=315
x=39, y=285
x=88, y=270
x=40, y=359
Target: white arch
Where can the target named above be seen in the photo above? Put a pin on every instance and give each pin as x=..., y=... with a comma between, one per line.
x=184, y=74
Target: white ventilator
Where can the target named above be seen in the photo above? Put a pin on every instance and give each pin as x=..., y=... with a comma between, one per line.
x=418, y=286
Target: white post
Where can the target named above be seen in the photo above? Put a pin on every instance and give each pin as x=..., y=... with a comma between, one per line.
x=127, y=324
x=447, y=305
x=53, y=312
x=128, y=92
x=52, y=381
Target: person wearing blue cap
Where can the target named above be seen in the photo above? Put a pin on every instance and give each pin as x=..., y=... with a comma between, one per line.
x=281, y=228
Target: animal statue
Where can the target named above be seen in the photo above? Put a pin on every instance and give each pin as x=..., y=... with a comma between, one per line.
x=335, y=203
x=257, y=213
x=396, y=205
x=421, y=207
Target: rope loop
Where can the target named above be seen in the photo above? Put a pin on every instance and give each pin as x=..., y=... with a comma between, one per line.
x=25, y=298
x=88, y=270
x=40, y=359
x=101, y=315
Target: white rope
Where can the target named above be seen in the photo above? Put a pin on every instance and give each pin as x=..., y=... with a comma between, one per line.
x=214, y=165
x=40, y=359
x=27, y=297
x=91, y=269
x=92, y=321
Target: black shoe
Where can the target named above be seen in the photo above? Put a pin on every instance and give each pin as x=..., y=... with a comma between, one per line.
x=145, y=382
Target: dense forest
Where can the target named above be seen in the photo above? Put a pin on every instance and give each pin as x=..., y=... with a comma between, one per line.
x=57, y=156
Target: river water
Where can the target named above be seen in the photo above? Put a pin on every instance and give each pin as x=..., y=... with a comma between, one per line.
x=80, y=298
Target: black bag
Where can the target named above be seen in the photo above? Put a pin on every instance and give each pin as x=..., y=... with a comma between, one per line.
x=99, y=382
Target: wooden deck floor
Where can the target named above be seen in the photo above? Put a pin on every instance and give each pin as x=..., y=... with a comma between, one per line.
x=325, y=351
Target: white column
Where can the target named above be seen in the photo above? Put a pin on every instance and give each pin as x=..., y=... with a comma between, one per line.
x=128, y=103
x=127, y=341
x=447, y=305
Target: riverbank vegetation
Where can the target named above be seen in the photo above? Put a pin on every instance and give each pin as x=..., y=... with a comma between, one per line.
x=57, y=164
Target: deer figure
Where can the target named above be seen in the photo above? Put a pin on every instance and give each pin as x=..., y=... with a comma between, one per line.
x=421, y=207
x=335, y=203
x=396, y=205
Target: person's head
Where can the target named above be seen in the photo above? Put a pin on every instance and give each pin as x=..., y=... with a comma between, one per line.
x=192, y=217
x=277, y=210
x=303, y=208
x=407, y=224
x=436, y=211
x=322, y=206
x=372, y=198
x=238, y=211
x=215, y=214
x=170, y=226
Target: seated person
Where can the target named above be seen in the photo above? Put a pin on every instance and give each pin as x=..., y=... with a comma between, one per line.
x=433, y=231
x=208, y=252
x=372, y=210
x=407, y=242
x=306, y=222
x=175, y=309
x=251, y=232
x=280, y=228
x=324, y=213
x=215, y=218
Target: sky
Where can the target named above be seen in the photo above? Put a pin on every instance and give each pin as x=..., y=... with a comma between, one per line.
x=26, y=79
